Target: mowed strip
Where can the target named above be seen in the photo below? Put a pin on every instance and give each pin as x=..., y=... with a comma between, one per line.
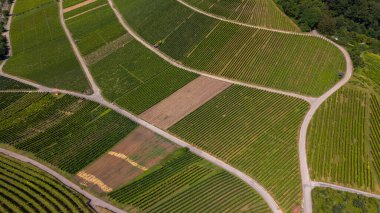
x=138, y=152
x=78, y=6
x=184, y=101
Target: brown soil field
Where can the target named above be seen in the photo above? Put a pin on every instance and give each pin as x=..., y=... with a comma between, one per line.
x=78, y=5
x=184, y=101
x=139, y=151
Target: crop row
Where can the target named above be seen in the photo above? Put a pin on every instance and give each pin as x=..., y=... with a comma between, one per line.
x=254, y=131
x=40, y=50
x=25, y=189
x=65, y=131
x=186, y=182
x=303, y=64
x=338, y=138
x=9, y=84
x=256, y=12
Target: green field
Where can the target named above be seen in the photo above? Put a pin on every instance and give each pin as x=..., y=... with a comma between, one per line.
x=9, y=84
x=40, y=50
x=255, y=132
x=94, y=28
x=186, y=183
x=84, y=9
x=263, y=13
x=343, y=137
x=302, y=64
x=329, y=200
x=128, y=73
x=69, y=3
x=24, y=188
x=62, y=130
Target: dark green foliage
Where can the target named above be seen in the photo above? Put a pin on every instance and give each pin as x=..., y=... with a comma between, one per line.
x=65, y=131
x=330, y=200
x=9, y=84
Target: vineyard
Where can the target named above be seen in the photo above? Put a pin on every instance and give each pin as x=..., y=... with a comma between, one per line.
x=9, y=84
x=184, y=183
x=343, y=137
x=264, y=13
x=255, y=132
x=64, y=131
x=40, y=50
x=303, y=64
x=128, y=73
x=329, y=200
x=24, y=188
x=69, y=3
x=94, y=28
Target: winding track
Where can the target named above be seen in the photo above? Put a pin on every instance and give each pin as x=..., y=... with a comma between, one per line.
x=315, y=103
x=97, y=97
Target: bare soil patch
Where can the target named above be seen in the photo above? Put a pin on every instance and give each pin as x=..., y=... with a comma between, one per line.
x=140, y=150
x=78, y=5
x=184, y=101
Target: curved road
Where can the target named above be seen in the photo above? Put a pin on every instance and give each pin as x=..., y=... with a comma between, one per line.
x=94, y=201
x=181, y=66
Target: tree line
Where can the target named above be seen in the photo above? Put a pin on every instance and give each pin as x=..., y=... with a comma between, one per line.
x=353, y=23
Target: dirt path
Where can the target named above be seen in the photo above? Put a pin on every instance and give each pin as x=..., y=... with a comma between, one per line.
x=78, y=5
x=94, y=201
x=181, y=66
x=87, y=11
x=95, y=88
x=184, y=101
x=346, y=189
x=306, y=182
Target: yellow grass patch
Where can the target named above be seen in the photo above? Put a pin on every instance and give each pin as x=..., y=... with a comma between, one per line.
x=94, y=180
x=126, y=158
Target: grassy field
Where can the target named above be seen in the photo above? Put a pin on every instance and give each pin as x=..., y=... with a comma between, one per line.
x=302, y=64
x=9, y=84
x=69, y=3
x=137, y=79
x=24, y=188
x=41, y=51
x=94, y=28
x=85, y=9
x=343, y=137
x=185, y=183
x=62, y=130
x=255, y=132
x=264, y=13
x=329, y=200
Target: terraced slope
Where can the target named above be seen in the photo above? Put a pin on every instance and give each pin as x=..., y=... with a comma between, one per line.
x=127, y=72
x=255, y=132
x=64, y=131
x=9, y=84
x=263, y=13
x=343, y=137
x=24, y=188
x=329, y=200
x=40, y=50
x=184, y=183
x=302, y=64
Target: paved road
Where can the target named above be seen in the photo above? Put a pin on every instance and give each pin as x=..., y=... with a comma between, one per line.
x=82, y=62
x=306, y=182
x=181, y=66
x=94, y=201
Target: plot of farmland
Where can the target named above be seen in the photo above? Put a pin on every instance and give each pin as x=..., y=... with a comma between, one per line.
x=24, y=188
x=94, y=29
x=40, y=50
x=9, y=84
x=83, y=9
x=255, y=132
x=64, y=131
x=302, y=64
x=264, y=13
x=185, y=183
x=343, y=138
x=139, y=151
x=184, y=101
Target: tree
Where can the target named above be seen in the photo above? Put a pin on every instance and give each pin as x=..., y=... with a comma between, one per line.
x=327, y=24
x=311, y=16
